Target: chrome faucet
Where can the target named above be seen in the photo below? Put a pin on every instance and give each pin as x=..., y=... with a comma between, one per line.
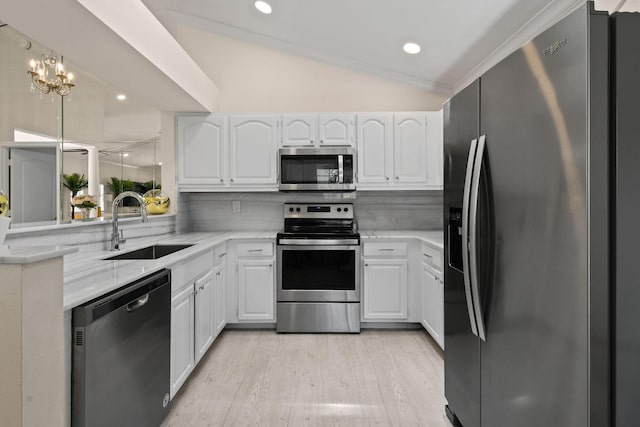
x=117, y=238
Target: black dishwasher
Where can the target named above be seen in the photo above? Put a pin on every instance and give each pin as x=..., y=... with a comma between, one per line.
x=121, y=356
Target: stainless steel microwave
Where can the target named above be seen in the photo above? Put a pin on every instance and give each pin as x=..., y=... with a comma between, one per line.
x=317, y=169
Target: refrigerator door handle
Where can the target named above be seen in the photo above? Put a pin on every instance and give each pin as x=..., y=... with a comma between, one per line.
x=473, y=222
x=465, y=235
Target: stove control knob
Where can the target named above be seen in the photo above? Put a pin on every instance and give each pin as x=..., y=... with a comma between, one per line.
x=297, y=209
x=290, y=209
x=339, y=209
x=346, y=209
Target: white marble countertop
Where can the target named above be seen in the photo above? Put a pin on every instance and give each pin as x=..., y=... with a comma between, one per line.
x=28, y=254
x=88, y=276
x=434, y=238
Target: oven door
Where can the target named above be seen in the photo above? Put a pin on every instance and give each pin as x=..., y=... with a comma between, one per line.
x=318, y=273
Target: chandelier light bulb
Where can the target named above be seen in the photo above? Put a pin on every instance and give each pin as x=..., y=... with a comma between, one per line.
x=70, y=76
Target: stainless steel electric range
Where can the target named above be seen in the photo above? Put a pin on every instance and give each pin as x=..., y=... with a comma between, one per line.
x=318, y=274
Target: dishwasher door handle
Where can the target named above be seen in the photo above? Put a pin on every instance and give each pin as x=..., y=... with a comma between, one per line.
x=133, y=306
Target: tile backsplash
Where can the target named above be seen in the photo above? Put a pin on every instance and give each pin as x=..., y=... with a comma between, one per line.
x=374, y=210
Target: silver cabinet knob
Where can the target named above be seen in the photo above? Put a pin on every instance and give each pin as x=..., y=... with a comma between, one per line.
x=397, y=177
x=322, y=141
x=221, y=180
x=231, y=180
x=387, y=178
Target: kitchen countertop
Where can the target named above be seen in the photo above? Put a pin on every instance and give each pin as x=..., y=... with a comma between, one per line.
x=432, y=238
x=26, y=255
x=88, y=276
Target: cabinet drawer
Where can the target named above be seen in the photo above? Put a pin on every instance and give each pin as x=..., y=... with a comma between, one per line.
x=432, y=256
x=255, y=249
x=184, y=272
x=385, y=249
x=219, y=254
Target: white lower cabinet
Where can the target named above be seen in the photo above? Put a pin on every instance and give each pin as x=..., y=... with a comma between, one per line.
x=385, y=289
x=433, y=304
x=204, y=324
x=219, y=299
x=182, y=337
x=256, y=292
x=198, y=311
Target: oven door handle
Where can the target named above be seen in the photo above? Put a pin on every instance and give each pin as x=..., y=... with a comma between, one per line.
x=318, y=242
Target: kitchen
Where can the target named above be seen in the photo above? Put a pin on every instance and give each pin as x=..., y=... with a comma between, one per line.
x=203, y=199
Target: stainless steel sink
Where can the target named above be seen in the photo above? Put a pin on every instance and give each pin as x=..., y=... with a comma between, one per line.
x=150, y=252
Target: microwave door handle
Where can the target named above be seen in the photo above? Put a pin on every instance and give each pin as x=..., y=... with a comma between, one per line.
x=340, y=169
x=465, y=236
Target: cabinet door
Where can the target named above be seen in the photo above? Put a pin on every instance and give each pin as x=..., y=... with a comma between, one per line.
x=204, y=326
x=375, y=148
x=253, y=150
x=200, y=144
x=219, y=299
x=385, y=289
x=336, y=129
x=256, y=290
x=410, y=148
x=435, y=141
x=433, y=305
x=298, y=130
x=182, y=357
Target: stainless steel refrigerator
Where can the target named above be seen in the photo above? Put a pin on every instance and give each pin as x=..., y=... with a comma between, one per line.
x=539, y=301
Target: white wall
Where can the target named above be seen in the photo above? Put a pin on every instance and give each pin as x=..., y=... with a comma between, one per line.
x=256, y=79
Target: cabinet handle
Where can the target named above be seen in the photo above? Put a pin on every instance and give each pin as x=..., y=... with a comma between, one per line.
x=427, y=255
x=231, y=180
x=322, y=141
x=311, y=141
x=222, y=254
x=270, y=265
x=221, y=180
x=254, y=250
x=387, y=178
x=218, y=273
x=366, y=265
x=386, y=249
x=201, y=288
x=397, y=177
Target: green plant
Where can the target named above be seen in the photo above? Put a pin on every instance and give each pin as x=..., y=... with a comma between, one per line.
x=74, y=182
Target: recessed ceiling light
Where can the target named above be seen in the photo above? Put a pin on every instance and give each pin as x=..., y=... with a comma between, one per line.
x=121, y=97
x=125, y=154
x=263, y=6
x=159, y=163
x=411, y=48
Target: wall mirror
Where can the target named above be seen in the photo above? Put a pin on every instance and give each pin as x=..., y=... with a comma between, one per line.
x=95, y=131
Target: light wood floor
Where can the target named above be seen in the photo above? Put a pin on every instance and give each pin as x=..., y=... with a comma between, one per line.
x=260, y=378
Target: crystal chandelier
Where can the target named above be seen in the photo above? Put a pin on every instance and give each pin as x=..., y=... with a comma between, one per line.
x=48, y=75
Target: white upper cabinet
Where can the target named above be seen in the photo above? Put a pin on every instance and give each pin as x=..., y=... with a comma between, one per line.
x=399, y=151
x=410, y=148
x=336, y=129
x=395, y=151
x=299, y=130
x=200, y=154
x=318, y=130
x=375, y=148
x=253, y=149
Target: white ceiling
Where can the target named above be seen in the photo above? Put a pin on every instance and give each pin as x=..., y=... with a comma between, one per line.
x=368, y=35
